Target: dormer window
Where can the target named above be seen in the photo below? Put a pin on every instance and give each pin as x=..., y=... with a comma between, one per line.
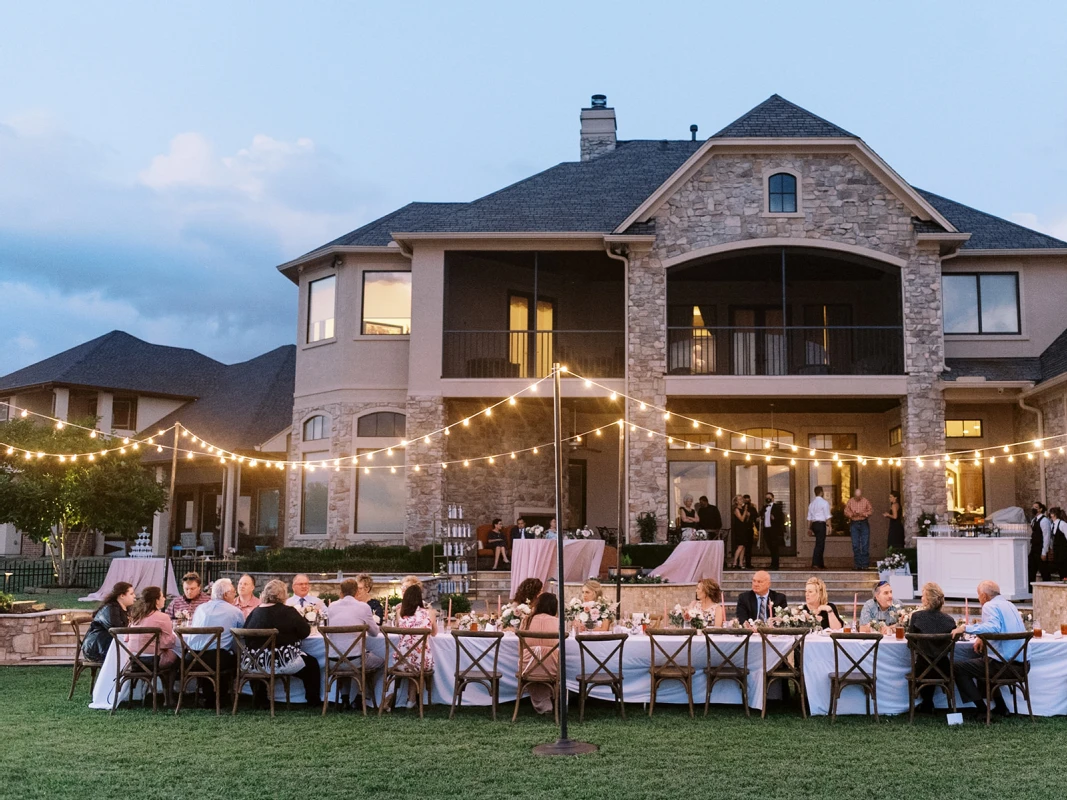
x=782, y=193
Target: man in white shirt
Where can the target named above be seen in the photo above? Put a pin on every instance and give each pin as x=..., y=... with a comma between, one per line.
x=818, y=515
x=302, y=597
x=998, y=616
x=351, y=611
x=219, y=612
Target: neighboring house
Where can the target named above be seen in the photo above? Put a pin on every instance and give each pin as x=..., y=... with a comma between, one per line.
x=132, y=386
x=778, y=279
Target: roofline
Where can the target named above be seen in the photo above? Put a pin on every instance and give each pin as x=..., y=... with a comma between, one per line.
x=1022, y=251
x=424, y=235
x=336, y=249
x=67, y=385
x=915, y=202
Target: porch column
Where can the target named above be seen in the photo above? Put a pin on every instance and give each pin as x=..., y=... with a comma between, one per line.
x=646, y=349
x=923, y=410
x=229, y=506
x=105, y=405
x=425, y=489
x=61, y=403
x=161, y=519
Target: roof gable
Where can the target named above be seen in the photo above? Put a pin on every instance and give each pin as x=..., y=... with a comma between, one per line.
x=777, y=118
x=989, y=232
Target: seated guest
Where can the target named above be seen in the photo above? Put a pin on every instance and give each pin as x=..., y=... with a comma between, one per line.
x=413, y=614
x=351, y=610
x=366, y=586
x=930, y=619
x=879, y=611
x=528, y=591
x=408, y=582
x=552, y=533
x=302, y=597
x=192, y=596
x=113, y=612
x=998, y=616
x=497, y=542
x=246, y=597
x=817, y=603
x=544, y=619
x=520, y=531
x=758, y=604
x=593, y=591
x=219, y=612
x=709, y=601
x=147, y=612
x=273, y=612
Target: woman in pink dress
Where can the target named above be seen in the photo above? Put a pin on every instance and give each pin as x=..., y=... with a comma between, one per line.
x=543, y=619
x=147, y=612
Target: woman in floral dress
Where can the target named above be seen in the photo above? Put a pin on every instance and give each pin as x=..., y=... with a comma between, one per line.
x=414, y=615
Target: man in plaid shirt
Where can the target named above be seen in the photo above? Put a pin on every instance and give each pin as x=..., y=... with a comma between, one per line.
x=184, y=606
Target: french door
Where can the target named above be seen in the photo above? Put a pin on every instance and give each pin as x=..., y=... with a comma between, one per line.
x=756, y=479
x=757, y=342
x=530, y=345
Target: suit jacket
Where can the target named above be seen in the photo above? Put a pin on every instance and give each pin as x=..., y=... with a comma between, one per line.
x=776, y=532
x=516, y=533
x=710, y=518
x=747, y=606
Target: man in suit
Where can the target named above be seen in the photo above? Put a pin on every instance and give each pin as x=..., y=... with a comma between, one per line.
x=759, y=602
x=773, y=521
x=519, y=531
x=709, y=516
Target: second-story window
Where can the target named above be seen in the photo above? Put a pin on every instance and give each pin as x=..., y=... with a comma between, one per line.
x=782, y=194
x=381, y=423
x=984, y=302
x=321, y=301
x=124, y=414
x=316, y=428
x=386, y=303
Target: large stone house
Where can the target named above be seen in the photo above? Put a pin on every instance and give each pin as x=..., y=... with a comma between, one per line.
x=778, y=281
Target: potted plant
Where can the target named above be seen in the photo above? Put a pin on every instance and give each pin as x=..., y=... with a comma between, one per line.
x=647, y=526
x=926, y=520
x=626, y=568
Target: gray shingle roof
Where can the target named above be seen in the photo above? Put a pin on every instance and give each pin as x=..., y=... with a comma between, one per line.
x=1054, y=359
x=776, y=117
x=988, y=232
x=120, y=362
x=993, y=369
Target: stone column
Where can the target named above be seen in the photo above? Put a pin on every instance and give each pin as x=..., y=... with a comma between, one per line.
x=646, y=348
x=426, y=485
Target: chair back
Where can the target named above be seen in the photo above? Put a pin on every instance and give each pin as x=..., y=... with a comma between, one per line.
x=732, y=653
x=535, y=649
x=1000, y=669
x=856, y=666
x=930, y=652
x=603, y=663
x=247, y=661
x=405, y=655
x=79, y=636
x=776, y=653
x=198, y=662
x=345, y=658
x=467, y=648
x=207, y=541
x=135, y=660
x=188, y=539
x=670, y=654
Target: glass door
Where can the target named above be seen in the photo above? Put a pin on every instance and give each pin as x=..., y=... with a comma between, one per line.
x=532, y=355
x=758, y=341
x=755, y=480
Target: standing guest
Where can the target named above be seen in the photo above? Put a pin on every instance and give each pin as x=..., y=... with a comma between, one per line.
x=1040, y=543
x=544, y=619
x=687, y=514
x=552, y=533
x=302, y=597
x=147, y=612
x=366, y=586
x=413, y=614
x=113, y=612
x=895, y=538
x=879, y=610
x=998, y=616
x=708, y=516
x=709, y=601
x=273, y=612
x=740, y=532
x=192, y=596
x=497, y=542
x=246, y=597
x=758, y=604
x=1059, y=541
x=520, y=531
x=818, y=516
x=350, y=610
x=528, y=591
x=858, y=511
x=753, y=524
x=931, y=619
x=219, y=612
x=773, y=519
x=817, y=603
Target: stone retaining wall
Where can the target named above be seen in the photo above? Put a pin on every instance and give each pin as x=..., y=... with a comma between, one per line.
x=21, y=635
x=647, y=597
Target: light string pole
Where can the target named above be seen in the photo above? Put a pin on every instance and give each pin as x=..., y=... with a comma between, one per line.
x=564, y=745
x=172, y=516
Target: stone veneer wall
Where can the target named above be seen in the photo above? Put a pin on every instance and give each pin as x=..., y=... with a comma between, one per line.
x=426, y=487
x=1028, y=473
x=21, y=635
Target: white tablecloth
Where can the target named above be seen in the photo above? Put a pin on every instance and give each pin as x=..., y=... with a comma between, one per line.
x=691, y=562
x=1048, y=676
x=141, y=572
x=536, y=558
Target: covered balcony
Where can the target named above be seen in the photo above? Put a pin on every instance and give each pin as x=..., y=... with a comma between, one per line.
x=786, y=311
x=511, y=314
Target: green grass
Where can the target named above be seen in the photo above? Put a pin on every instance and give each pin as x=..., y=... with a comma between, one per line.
x=61, y=600
x=58, y=749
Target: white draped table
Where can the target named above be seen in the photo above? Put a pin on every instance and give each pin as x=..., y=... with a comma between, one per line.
x=691, y=562
x=141, y=572
x=536, y=558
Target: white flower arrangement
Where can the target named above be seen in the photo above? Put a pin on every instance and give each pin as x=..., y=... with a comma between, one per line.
x=694, y=535
x=903, y=617
x=894, y=614
x=314, y=615
x=893, y=561
x=512, y=615
x=538, y=531
x=473, y=621
x=581, y=533
x=591, y=612
x=794, y=617
x=691, y=617
x=637, y=622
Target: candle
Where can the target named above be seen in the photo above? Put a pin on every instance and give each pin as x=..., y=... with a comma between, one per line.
x=664, y=621
x=385, y=615
x=855, y=602
x=450, y=611
x=966, y=611
x=723, y=611
x=498, y=605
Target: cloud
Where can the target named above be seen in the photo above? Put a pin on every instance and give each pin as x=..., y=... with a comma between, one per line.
x=1053, y=227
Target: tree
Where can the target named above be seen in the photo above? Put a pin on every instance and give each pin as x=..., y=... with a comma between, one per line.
x=50, y=498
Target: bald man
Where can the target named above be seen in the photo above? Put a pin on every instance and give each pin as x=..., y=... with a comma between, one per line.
x=759, y=602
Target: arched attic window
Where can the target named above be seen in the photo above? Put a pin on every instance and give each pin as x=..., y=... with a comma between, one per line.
x=316, y=428
x=782, y=193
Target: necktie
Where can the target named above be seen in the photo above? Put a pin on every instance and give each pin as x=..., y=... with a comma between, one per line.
x=302, y=601
x=761, y=615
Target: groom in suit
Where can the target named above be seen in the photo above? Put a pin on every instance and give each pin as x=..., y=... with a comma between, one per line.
x=772, y=521
x=759, y=602
x=520, y=531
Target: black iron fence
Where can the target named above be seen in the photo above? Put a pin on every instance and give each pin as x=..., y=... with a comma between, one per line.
x=20, y=574
x=529, y=354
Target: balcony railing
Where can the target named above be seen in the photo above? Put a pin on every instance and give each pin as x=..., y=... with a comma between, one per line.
x=822, y=350
x=530, y=353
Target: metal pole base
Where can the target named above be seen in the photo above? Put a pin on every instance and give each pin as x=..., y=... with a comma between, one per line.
x=565, y=747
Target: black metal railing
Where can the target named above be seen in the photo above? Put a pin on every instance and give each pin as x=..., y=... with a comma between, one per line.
x=20, y=574
x=793, y=350
x=529, y=354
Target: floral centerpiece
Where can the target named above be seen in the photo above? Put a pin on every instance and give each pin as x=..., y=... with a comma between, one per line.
x=694, y=535
x=314, y=615
x=473, y=621
x=893, y=560
x=794, y=617
x=896, y=615
x=637, y=622
x=590, y=613
x=690, y=616
x=538, y=531
x=512, y=615
x=926, y=520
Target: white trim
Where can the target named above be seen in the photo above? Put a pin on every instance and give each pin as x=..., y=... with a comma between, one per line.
x=785, y=241
x=765, y=210
x=390, y=249
x=310, y=415
x=1022, y=251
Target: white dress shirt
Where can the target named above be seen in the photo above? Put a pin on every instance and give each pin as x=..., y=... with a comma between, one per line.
x=215, y=614
x=350, y=611
x=818, y=510
x=300, y=603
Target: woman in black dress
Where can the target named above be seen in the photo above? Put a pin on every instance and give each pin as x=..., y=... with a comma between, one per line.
x=896, y=526
x=1059, y=540
x=498, y=543
x=817, y=603
x=740, y=532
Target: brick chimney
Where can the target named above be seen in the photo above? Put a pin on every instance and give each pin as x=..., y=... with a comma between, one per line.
x=598, y=128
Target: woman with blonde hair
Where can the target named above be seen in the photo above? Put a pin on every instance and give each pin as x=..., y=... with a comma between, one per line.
x=593, y=592
x=709, y=601
x=817, y=603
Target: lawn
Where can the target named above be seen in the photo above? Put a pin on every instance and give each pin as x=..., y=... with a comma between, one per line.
x=58, y=749
x=63, y=600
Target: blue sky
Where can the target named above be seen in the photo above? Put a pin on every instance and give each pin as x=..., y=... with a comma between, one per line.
x=157, y=161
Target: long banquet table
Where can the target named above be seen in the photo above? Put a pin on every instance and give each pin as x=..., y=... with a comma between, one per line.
x=536, y=558
x=141, y=572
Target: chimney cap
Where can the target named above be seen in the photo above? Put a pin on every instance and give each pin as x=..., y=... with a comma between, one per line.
x=599, y=101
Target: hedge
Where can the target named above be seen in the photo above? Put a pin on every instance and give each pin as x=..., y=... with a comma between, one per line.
x=357, y=558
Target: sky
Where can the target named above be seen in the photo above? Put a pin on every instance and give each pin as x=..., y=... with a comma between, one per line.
x=159, y=160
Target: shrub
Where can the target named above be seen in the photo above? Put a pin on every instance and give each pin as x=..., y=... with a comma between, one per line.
x=461, y=604
x=357, y=558
x=646, y=526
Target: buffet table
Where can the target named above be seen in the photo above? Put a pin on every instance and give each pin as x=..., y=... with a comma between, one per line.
x=960, y=563
x=536, y=558
x=691, y=562
x=141, y=572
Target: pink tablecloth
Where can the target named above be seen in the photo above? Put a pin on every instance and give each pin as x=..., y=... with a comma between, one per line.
x=691, y=562
x=141, y=572
x=536, y=558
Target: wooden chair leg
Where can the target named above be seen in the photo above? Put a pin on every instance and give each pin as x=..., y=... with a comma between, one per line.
x=689, y=694
x=652, y=699
x=744, y=696
x=874, y=700
x=236, y=693
x=518, y=699
x=622, y=702
x=582, y=688
x=74, y=680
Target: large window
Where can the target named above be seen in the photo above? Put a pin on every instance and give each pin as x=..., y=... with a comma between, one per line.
x=124, y=414
x=696, y=478
x=314, y=497
x=760, y=439
x=382, y=423
x=984, y=302
x=381, y=494
x=321, y=301
x=5, y=413
x=965, y=486
x=386, y=303
x=782, y=194
x=316, y=428
x=963, y=428
x=267, y=512
x=838, y=483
